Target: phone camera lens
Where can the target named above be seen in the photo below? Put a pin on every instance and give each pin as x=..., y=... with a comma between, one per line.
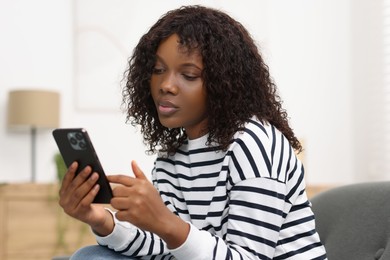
x=73, y=141
x=79, y=136
x=82, y=145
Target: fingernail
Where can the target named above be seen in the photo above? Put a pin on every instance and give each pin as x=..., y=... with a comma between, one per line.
x=96, y=187
x=95, y=176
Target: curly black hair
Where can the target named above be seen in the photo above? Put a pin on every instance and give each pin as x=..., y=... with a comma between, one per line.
x=236, y=79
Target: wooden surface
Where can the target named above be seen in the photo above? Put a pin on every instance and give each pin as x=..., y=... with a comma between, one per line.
x=312, y=190
x=33, y=226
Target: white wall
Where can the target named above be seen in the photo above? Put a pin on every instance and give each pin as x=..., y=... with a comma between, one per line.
x=35, y=51
x=310, y=59
x=309, y=46
x=367, y=84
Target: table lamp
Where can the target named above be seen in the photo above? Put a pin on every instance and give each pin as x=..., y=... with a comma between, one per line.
x=33, y=109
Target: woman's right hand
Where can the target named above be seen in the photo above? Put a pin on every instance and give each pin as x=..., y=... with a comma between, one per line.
x=76, y=196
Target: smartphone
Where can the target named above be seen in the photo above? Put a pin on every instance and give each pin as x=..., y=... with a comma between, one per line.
x=75, y=145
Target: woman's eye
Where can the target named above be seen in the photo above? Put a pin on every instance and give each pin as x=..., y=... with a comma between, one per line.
x=158, y=70
x=190, y=77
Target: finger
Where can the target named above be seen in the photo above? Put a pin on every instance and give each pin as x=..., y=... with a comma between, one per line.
x=77, y=207
x=88, y=199
x=68, y=178
x=121, y=179
x=123, y=215
x=137, y=171
x=71, y=172
x=82, y=176
x=79, y=185
x=85, y=188
x=119, y=203
x=121, y=191
x=124, y=191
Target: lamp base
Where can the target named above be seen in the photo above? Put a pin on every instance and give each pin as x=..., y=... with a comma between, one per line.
x=33, y=153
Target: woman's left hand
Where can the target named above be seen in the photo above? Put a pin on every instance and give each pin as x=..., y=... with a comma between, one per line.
x=138, y=202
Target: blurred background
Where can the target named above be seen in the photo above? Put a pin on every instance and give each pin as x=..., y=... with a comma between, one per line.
x=328, y=59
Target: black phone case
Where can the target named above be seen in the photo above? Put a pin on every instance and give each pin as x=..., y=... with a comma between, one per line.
x=75, y=145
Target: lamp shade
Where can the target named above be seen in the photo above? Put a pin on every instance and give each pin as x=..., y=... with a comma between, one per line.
x=33, y=108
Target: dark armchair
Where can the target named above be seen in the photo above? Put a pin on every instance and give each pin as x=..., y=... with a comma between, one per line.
x=354, y=221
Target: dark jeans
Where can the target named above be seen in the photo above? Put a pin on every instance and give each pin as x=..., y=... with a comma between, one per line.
x=97, y=252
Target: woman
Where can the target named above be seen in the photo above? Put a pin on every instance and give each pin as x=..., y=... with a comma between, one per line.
x=226, y=181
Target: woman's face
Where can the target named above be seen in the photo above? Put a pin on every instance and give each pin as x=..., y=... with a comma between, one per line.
x=177, y=88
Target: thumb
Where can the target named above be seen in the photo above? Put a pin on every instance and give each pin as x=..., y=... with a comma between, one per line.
x=137, y=171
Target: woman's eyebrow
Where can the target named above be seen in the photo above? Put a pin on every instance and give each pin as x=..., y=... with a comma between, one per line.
x=158, y=58
x=191, y=65
x=185, y=64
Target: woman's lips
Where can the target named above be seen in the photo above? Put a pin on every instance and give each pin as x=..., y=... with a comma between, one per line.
x=166, y=108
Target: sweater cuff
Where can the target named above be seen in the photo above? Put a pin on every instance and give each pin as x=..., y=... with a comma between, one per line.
x=198, y=245
x=123, y=231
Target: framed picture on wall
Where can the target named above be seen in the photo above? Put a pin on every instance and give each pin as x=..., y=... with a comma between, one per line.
x=105, y=34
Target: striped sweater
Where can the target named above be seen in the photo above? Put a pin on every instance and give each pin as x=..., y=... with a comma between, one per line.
x=246, y=203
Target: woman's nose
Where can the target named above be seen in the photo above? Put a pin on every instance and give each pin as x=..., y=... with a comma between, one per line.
x=169, y=84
